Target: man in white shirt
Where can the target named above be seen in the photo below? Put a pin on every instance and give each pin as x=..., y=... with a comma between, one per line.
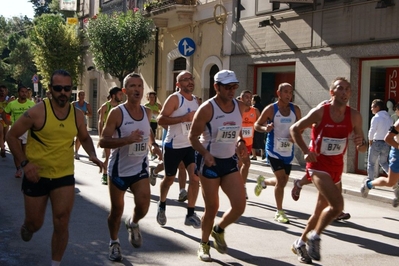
x=378, y=149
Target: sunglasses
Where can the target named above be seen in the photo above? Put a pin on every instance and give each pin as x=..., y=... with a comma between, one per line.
x=59, y=88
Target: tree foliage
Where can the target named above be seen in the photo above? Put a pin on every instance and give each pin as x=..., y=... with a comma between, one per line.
x=56, y=45
x=16, y=65
x=119, y=43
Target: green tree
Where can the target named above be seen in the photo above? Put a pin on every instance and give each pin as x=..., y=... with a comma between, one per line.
x=16, y=65
x=119, y=43
x=56, y=45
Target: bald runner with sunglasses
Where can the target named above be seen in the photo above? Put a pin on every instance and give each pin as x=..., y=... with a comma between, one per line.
x=176, y=115
x=48, y=162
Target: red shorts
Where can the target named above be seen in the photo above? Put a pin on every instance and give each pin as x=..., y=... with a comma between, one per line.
x=249, y=148
x=336, y=176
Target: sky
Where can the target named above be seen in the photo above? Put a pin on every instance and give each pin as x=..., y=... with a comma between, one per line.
x=12, y=8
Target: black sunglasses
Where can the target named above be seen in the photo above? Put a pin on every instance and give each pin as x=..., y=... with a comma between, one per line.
x=59, y=88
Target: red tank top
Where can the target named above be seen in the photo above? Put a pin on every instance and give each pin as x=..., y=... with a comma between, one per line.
x=329, y=140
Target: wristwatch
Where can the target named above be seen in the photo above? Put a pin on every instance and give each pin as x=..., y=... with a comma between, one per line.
x=24, y=163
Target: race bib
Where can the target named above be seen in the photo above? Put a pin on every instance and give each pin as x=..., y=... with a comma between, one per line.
x=185, y=126
x=247, y=132
x=283, y=145
x=228, y=134
x=153, y=116
x=332, y=146
x=139, y=148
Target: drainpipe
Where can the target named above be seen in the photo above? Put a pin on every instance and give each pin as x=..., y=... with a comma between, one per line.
x=156, y=59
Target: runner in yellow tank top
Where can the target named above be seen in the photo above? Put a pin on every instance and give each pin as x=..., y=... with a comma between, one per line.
x=48, y=164
x=116, y=96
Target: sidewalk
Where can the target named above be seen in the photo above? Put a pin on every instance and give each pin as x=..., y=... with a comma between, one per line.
x=351, y=183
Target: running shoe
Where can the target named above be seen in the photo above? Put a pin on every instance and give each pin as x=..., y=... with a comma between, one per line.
x=161, y=216
x=303, y=256
x=364, y=190
x=395, y=201
x=259, y=187
x=281, y=217
x=104, y=180
x=253, y=158
x=314, y=248
x=115, y=252
x=219, y=243
x=343, y=216
x=77, y=156
x=193, y=220
x=26, y=235
x=203, y=252
x=296, y=190
x=263, y=156
x=134, y=234
x=153, y=176
x=182, y=195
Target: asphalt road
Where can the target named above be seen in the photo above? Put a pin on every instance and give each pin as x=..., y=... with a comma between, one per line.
x=370, y=237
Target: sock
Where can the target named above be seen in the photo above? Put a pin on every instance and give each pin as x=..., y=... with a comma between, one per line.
x=182, y=189
x=369, y=185
x=218, y=229
x=205, y=243
x=162, y=204
x=55, y=263
x=299, y=242
x=113, y=241
x=133, y=224
x=190, y=211
x=314, y=236
x=263, y=184
x=298, y=185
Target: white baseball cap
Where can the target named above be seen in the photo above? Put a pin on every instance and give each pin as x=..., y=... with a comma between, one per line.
x=226, y=77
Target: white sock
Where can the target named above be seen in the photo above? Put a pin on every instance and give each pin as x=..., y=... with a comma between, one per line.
x=113, y=241
x=298, y=185
x=263, y=184
x=314, y=236
x=299, y=242
x=55, y=263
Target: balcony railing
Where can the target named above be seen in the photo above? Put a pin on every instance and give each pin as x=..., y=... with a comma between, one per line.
x=152, y=6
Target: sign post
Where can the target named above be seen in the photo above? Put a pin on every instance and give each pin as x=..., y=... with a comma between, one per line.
x=186, y=46
x=35, y=80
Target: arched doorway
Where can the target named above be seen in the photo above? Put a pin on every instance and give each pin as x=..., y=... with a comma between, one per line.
x=212, y=73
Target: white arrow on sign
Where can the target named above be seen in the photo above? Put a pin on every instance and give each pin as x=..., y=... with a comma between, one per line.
x=187, y=48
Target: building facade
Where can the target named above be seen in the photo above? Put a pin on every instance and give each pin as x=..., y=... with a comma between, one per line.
x=309, y=44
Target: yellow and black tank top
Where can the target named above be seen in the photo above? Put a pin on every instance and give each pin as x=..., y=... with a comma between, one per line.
x=52, y=146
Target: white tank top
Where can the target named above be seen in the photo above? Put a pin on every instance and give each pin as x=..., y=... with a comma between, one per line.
x=177, y=135
x=130, y=160
x=222, y=131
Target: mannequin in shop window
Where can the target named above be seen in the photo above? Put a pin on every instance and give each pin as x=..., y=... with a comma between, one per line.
x=391, y=107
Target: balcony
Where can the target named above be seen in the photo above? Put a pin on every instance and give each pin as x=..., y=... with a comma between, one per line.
x=170, y=13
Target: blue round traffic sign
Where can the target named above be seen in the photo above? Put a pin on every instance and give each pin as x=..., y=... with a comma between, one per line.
x=186, y=46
